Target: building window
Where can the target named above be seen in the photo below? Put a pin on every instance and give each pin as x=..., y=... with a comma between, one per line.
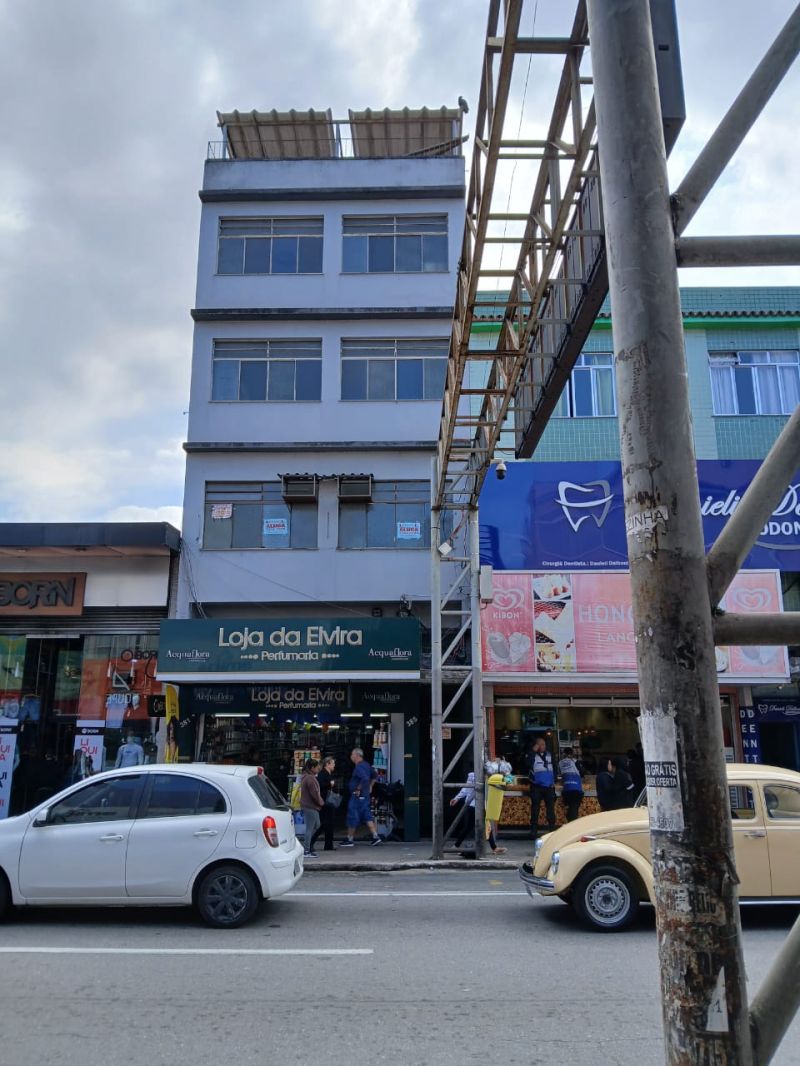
x=394, y=369
x=398, y=516
x=394, y=244
x=590, y=391
x=755, y=383
x=255, y=515
x=279, y=371
x=270, y=246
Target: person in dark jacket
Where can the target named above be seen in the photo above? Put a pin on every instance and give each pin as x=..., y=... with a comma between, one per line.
x=604, y=783
x=310, y=804
x=624, y=791
x=327, y=811
x=636, y=767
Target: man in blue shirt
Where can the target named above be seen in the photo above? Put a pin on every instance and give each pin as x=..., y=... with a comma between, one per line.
x=358, y=806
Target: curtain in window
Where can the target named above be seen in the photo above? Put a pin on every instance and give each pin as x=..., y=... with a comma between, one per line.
x=768, y=393
x=604, y=391
x=722, y=391
x=790, y=383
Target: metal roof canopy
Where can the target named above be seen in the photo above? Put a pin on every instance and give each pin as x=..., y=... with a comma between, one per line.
x=279, y=134
x=407, y=132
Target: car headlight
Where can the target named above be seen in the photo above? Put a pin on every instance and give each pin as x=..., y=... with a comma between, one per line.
x=555, y=859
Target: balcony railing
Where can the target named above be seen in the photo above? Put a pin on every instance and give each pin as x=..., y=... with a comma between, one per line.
x=345, y=148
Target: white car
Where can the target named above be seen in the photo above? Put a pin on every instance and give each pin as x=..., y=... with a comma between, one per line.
x=220, y=838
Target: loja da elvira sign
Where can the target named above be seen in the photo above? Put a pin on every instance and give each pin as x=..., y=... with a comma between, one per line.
x=563, y=626
x=243, y=649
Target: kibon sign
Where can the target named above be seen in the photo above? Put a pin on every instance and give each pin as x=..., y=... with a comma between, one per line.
x=42, y=594
x=259, y=649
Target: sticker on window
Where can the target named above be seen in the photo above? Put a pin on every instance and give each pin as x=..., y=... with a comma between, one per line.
x=221, y=510
x=409, y=530
x=276, y=527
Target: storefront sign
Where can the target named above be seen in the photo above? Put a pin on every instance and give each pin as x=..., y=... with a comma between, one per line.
x=570, y=516
x=8, y=747
x=751, y=736
x=253, y=649
x=42, y=594
x=88, y=749
x=777, y=710
x=259, y=699
x=555, y=626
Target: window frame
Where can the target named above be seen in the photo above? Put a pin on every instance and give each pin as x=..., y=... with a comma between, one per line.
x=148, y=792
x=268, y=344
x=268, y=221
x=732, y=361
x=364, y=506
x=394, y=347
x=592, y=371
x=398, y=224
x=261, y=494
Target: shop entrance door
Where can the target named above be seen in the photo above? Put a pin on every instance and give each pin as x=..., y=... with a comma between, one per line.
x=779, y=744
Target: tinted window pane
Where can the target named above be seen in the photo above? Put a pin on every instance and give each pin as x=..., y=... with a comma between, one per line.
x=308, y=379
x=354, y=255
x=281, y=380
x=102, y=801
x=225, y=379
x=284, y=255
x=310, y=255
x=435, y=374
x=352, y=526
x=256, y=256
x=246, y=525
x=381, y=379
x=745, y=391
x=253, y=380
x=231, y=255
x=267, y=793
x=276, y=525
x=381, y=255
x=217, y=531
x=409, y=379
x=582, y=392
x=304, y=526
x=210, y=800
x=409, y=254
x=354, y=379
x=172, y=795
x=434, y=253
x=380, y=526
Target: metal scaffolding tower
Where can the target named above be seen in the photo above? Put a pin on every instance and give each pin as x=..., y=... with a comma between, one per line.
x=544, y=307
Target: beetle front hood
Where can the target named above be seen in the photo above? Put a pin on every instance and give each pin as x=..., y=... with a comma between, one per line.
x=605, y=824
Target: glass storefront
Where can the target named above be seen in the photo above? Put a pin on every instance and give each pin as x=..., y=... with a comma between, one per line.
x=67, y=703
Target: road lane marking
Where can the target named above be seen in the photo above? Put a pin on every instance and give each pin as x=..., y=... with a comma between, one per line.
x=183, y=951
x=414, y=895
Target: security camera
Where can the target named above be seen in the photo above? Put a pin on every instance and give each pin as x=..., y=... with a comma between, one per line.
x=500, y=470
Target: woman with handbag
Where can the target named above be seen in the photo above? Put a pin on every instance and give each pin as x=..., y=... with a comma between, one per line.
x=330, y=801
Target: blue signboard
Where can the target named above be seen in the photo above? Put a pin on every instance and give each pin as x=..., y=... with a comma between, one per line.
x=570, y=516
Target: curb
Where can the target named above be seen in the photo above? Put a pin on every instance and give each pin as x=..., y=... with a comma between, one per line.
x=411, y=864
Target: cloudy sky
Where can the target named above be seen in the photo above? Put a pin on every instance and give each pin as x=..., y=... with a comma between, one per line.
x=108, y=108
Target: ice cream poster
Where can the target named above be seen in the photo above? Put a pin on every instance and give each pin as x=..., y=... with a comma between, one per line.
x=559, y=625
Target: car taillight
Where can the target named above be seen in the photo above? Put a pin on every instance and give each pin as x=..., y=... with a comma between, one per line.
x=270, y=827
x=260, y=771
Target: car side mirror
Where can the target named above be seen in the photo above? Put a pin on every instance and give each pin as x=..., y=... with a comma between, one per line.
x=42, y=818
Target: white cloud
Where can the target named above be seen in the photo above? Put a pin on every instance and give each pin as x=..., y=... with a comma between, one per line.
x=130, y=513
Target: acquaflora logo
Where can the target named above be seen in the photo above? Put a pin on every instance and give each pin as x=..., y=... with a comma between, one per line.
x=583, y=502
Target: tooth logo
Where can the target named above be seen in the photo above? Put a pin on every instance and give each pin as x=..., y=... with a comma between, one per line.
x=596, y=502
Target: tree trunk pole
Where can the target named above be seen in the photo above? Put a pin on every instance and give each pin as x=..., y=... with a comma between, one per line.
x=699, y=934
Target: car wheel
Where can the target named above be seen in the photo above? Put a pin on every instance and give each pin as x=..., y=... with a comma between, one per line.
x=227, y=897
x=5, y=897
x=606, y=898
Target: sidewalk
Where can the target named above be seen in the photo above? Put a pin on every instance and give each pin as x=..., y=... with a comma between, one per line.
x=397, y=855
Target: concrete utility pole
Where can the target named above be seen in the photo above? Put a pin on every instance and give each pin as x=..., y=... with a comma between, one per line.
x=699, y=933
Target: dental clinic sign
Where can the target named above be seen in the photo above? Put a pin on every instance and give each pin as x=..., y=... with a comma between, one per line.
x=570, y=516
x=253, y=649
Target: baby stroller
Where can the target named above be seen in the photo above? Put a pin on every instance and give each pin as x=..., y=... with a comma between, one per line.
x=387, y=799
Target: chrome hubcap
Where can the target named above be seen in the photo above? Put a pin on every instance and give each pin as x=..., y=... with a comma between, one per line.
x=226, y=898
x=607, y=900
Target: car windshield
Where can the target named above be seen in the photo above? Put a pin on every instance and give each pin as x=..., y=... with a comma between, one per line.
x=267, y=793
x=642, y=800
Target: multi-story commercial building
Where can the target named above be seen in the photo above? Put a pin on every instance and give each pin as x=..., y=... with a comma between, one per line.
x=325, y=285
x=558, y=642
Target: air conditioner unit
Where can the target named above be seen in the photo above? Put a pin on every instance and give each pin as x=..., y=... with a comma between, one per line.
x=355, y=487
x=299, y=488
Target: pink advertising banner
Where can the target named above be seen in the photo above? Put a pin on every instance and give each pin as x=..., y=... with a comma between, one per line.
x=568, y=625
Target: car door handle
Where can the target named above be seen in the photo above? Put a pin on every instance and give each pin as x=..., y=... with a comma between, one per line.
x=113, y=837
x=207, y=833
x=756, y=833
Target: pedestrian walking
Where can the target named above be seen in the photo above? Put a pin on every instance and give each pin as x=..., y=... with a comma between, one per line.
x=327, y=812
x=571, y=784
x=310, y=804
x=543, y=790
x=467, y=796
x=495, y=790
x=359, y=809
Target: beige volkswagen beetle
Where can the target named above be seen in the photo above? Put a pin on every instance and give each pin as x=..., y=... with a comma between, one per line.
x=600, y=864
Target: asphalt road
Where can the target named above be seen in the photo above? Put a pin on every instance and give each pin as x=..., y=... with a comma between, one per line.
x=450, y=968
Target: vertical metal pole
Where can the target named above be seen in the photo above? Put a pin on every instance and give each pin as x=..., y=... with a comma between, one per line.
x=436, y=675
x=699, y=933
x=477, y=679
